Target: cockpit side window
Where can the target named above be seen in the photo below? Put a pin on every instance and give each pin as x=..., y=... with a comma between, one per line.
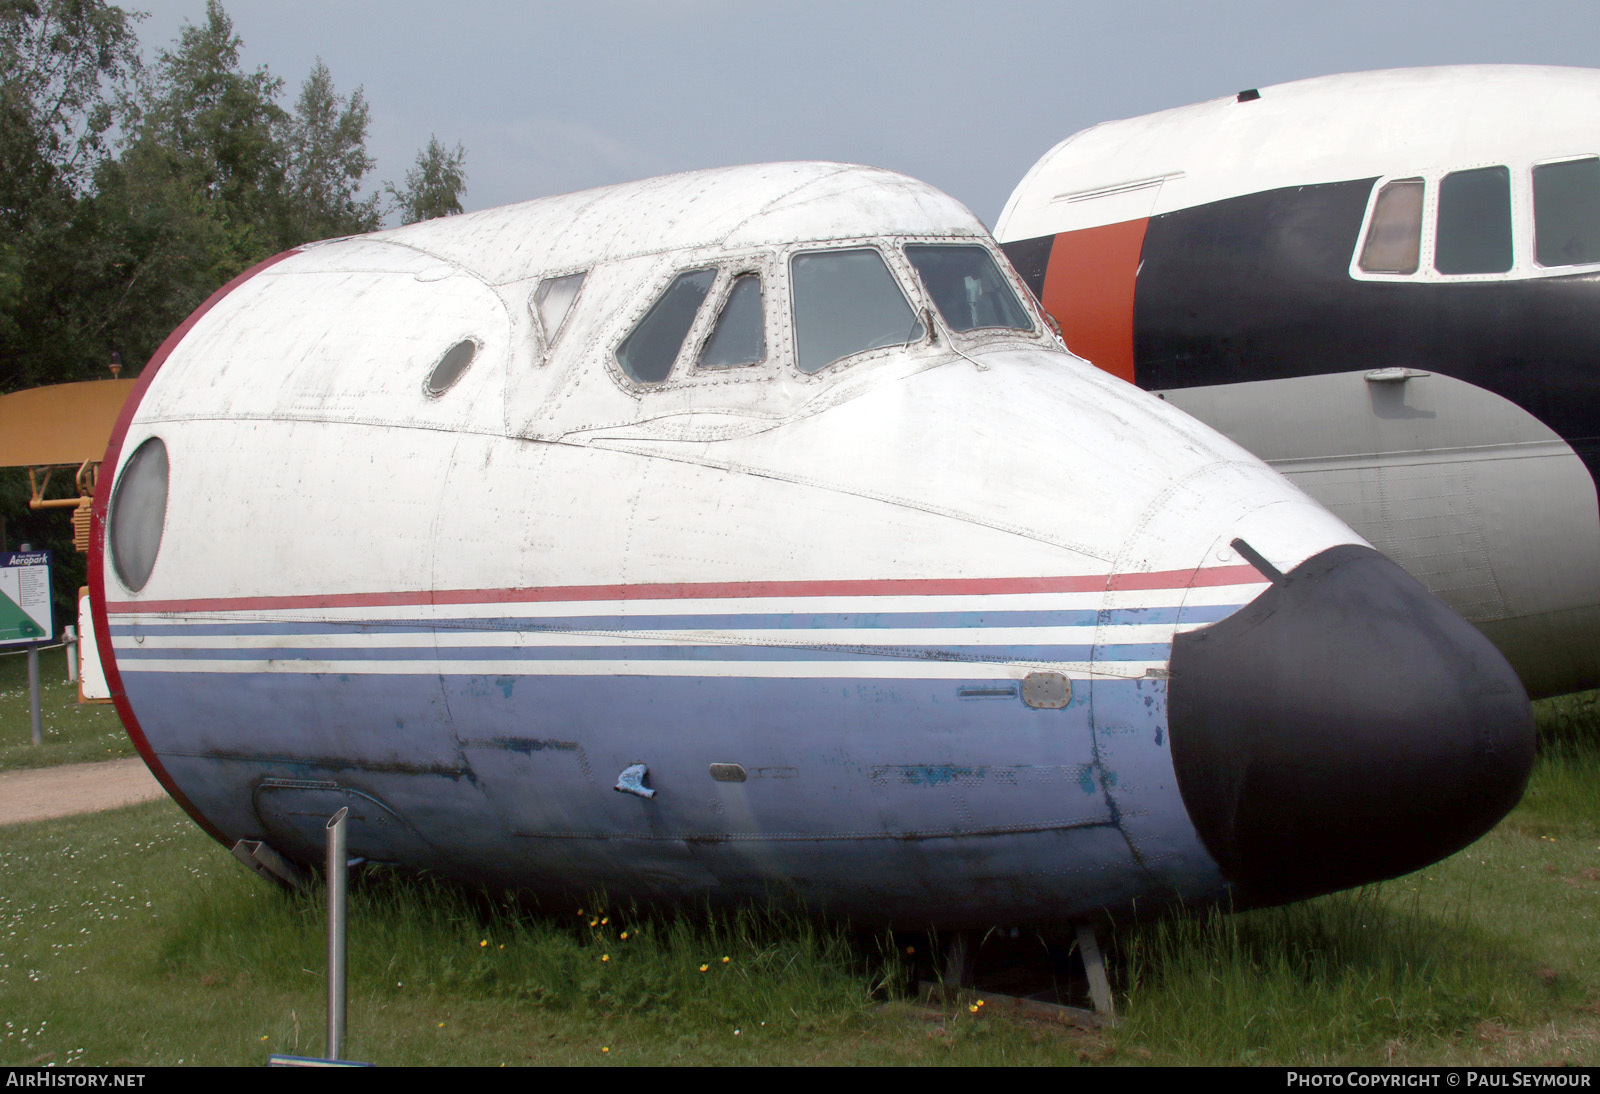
x=847, y=302
x=553, y=299
x=740, y=335
x=1474, y=235
x=648, y=353
x=1566, y=212
x=967, y=286
x=1394, y=239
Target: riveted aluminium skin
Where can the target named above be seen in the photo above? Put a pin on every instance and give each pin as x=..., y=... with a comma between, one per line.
x=549, y=573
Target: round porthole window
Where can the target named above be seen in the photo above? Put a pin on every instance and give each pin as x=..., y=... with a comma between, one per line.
x=451, y=366
x=139, y=513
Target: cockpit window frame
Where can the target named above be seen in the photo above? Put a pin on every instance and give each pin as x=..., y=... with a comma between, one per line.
x=685, y=371
x=773, y=265
x=900, y=271
x=1008, y=273
x=722, y=294
x=546, y=338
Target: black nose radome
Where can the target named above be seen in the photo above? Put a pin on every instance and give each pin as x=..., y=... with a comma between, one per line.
x=1343, y=727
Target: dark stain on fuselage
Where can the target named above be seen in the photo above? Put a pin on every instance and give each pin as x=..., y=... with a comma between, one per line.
x=335, y=763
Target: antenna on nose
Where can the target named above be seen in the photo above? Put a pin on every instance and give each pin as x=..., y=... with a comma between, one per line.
x=1256, y=559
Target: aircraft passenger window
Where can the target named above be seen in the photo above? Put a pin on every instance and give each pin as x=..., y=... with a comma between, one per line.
x=740, y=336
x=451, y=366
x=647, y=354
x=1474, y=222
x=967, y=286
x=1395, y=236
x=1566, y=212
x=553, y=299
x=846, y=302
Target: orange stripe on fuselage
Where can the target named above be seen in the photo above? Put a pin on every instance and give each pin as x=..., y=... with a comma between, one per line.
x=1088, y=287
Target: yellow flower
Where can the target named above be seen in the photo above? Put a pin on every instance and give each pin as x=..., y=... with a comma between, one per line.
x=724, y=960
x=911, y=949
x=605, y=1048
x=973, y=1008
x=605, y=957
x=594, y=923
x=703, y=968
x=485, y=942
x=604, y=921
x=624, y=936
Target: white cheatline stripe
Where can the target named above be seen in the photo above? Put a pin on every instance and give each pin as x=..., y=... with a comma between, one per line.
x=785, y=636
x=908, y=669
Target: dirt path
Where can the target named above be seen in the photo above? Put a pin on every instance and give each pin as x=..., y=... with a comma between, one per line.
x=76, y=788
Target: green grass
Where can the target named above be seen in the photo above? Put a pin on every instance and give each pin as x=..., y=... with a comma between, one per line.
x=73, y=732
x=129, y=937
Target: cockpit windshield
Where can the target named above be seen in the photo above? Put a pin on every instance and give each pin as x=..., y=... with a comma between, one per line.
x=967, y=286
x=847, y=302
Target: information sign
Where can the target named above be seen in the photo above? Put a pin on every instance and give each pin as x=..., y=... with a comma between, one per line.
x=25, y=615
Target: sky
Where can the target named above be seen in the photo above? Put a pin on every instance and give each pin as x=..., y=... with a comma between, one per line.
x=553, y=97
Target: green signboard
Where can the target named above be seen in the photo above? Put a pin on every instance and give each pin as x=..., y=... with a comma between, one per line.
x=25, y=615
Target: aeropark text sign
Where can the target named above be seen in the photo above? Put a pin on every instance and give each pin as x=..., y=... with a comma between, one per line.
x=25, y=616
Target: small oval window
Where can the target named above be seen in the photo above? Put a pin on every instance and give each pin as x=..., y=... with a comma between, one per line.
x=451, y=366
x=139, y=513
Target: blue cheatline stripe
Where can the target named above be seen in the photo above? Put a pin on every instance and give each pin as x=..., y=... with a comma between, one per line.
x=1208, y=613
x=1154, y=651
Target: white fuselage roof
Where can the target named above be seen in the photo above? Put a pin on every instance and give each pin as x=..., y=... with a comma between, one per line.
x=1327, y=129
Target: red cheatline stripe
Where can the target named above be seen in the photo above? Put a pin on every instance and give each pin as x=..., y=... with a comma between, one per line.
x=717, y=590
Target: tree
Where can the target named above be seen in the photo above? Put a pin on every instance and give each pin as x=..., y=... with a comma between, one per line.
x=197, y=193
x=211, y=175
x=64, y=64
x=327, y=151
x=434, y=186
x=219, y=130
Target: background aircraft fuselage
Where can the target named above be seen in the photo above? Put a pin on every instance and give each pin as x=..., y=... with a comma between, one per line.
x=1440, y=394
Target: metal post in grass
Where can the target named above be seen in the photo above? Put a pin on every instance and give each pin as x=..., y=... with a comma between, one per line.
x=337, y=871
x=35, y=721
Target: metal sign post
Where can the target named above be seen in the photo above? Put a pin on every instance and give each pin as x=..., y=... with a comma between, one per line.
x=25, y=616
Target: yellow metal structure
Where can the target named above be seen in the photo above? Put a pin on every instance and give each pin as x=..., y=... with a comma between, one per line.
x=60, y=424
x=65, y=425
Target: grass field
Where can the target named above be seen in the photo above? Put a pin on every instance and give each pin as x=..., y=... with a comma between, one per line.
x=129, y=937
x=73, y=733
